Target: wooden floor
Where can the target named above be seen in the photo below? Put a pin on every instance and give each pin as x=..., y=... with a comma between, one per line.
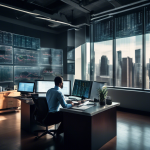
x=133, y=133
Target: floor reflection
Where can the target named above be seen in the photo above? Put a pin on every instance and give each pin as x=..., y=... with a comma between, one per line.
x=133, y=133
x=2, y=118
x=46, y=142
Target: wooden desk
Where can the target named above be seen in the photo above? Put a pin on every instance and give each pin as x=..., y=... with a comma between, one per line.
x=89, y=129
x=9, y=102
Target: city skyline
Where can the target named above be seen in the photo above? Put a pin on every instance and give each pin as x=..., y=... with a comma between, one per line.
x=128, y=74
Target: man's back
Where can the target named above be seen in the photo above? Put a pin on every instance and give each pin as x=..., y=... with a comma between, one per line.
x=54, y=98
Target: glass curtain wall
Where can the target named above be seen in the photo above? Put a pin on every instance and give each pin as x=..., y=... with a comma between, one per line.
x=103, y=51
x=88, y=61
x=147, y=58
x=82, y=62
x=78, y=63
x=129, y=49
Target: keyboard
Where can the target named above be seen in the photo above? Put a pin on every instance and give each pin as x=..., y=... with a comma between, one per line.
x=75, y=98
x=42, y=95
x=25, y=98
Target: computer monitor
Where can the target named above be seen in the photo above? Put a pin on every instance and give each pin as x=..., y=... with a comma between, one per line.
x=44, y=86
x=82, y=88
x=94, y=89
x=26, y=87
x=66, y=90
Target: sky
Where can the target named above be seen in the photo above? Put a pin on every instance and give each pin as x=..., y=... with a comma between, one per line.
x=126, y=45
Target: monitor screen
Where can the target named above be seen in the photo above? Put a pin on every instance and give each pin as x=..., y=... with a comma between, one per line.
x=44, y=86
x=82, y=88
x=66, y=90
x=26, y=87
x=94, y=89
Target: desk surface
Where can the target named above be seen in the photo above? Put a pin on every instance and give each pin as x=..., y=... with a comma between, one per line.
x=92, y=110
x=25, y=100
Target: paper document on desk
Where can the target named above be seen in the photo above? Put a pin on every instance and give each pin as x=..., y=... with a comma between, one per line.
x=84, y=107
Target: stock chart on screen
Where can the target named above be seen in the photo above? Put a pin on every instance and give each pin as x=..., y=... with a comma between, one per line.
x=52, y=70
x=26, y=73
x=6, y=54
x=25, y=57
x=45, y=57
x=57, y=57
x=26, y=42
x=6, y=73
x=5, y=38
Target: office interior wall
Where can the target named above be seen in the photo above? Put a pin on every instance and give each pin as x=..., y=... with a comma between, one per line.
x=81, y=39
x=61, y=43
x=47, y=39
x=71, y=46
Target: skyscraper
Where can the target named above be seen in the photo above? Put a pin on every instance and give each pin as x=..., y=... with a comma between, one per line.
x=138, y=56
x=104, y=67
x=138, y=69
x=118, y=68
x=127, y=72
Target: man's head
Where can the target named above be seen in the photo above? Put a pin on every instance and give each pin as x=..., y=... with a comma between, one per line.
x=59, y=81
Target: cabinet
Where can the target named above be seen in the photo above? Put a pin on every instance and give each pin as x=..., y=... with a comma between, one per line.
x=9, y=102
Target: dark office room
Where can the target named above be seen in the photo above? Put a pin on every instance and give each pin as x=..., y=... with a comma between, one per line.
x=75, y=74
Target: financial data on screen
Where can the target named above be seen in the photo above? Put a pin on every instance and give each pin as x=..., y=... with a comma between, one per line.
x=44, y=86
x=26, y=87
x=82, y=88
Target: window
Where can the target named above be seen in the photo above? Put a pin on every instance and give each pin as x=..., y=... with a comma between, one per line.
x=87, y=61
x=103, y=62
x=78, y=63
x=103, y=50
x=129, y=50
x=147, y=71
x=82, y=62
x=129, y=62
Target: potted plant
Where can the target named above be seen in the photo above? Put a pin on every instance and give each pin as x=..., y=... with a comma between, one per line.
x=102, y=93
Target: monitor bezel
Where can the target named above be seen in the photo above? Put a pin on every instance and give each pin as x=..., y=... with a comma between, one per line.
x=90, y=88
x=24, y=92
x=92, y=85
x=54, y=84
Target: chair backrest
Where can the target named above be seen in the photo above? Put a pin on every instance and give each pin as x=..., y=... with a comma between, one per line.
x=41, y=107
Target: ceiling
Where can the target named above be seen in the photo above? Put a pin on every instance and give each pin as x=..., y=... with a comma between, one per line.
x=57, y=15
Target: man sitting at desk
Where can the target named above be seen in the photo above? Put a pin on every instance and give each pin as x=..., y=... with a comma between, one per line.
x=54, y=98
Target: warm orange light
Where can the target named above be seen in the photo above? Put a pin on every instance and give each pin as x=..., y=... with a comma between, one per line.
x=2, y=118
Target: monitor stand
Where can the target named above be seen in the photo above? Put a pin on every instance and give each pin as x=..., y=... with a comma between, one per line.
x=27, y=95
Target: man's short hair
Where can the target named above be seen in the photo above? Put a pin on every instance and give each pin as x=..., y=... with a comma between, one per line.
x=58, y=80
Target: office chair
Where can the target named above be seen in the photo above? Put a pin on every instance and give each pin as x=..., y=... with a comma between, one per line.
x=41, y=115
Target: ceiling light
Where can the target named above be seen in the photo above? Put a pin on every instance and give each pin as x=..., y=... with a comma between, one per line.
x=49, y=19
x=24, y=11
x=75, y=26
